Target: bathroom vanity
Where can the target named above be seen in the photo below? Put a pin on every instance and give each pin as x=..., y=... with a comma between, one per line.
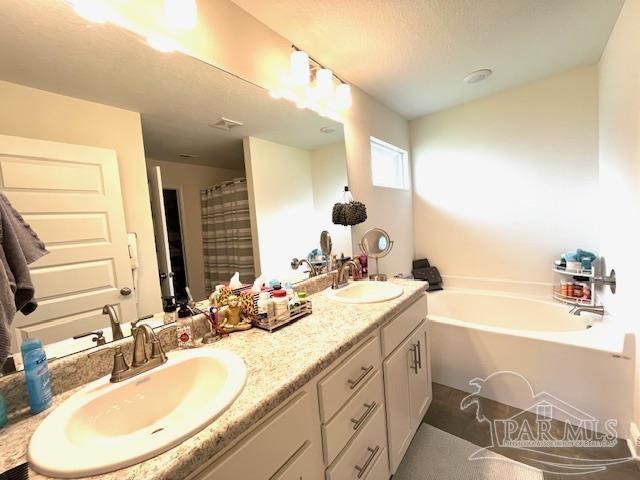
x=338, y=394
x=355, y=419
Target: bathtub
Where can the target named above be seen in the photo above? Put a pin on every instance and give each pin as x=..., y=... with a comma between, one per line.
x=519, y=351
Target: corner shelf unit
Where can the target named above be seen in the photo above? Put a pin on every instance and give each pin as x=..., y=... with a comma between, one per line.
x=582, y=276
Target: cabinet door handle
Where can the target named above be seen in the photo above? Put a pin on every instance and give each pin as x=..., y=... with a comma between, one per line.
x=363, y=469
x=419, y=348
x=414, y=367
x=365, y=371
x=359, y=421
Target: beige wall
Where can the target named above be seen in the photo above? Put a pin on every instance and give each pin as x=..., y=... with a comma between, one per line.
x=189, y=179
x=506, y=183
x=619, y=199
x=329, y=176
x=27, y=112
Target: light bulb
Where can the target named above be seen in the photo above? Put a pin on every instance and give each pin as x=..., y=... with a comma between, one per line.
x=343, y=96
x=181, y=13
x=93, y=10
x=300, y=71
x=324, y=83
x=162, y=43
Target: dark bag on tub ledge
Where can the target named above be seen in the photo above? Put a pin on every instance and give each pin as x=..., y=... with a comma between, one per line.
x=422, y=270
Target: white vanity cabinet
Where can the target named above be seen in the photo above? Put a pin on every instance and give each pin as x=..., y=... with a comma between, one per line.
x=407, y=380
x=354, y=421
x=285, y=446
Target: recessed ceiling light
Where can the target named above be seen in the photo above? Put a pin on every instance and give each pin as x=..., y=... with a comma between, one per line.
x=478, y=75
x=225, y=124
x=328, y=129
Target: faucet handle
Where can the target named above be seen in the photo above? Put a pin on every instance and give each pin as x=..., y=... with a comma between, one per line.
x=120, y=365
x=156, y=349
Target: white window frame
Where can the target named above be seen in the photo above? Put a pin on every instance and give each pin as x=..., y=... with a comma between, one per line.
x=405, y=174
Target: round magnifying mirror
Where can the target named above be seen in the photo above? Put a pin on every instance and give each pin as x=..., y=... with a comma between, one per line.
x=376, y=243
x=325, y=243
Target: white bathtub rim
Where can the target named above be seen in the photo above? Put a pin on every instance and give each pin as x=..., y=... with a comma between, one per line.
x=606, y=335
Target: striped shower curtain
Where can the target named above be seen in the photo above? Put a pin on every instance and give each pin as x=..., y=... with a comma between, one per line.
x=226, y=233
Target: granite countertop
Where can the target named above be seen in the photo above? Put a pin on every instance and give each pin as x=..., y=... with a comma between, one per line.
x=278, y=364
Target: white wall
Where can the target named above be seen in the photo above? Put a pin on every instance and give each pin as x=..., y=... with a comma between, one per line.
x=28, y=112
x=291, y=195
x=387, y=208
x=619, y=197
x=506, y=183
x=261, y=56
x=329, y=176
x=281, y=201
x=189, y=179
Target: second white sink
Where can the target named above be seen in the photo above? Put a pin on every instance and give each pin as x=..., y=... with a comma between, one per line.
x=105, y=426
x=365, y=292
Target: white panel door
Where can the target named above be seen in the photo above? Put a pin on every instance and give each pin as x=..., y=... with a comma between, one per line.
x=161, y=232
x=70, y=194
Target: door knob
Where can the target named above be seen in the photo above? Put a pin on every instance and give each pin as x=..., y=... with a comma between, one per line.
x=126, y=291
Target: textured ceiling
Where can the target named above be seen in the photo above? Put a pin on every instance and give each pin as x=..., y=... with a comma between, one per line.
x=413, y=54
x=45, y=45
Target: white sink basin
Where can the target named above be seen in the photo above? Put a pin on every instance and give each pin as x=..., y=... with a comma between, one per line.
x=107, y=426
x=365, y=292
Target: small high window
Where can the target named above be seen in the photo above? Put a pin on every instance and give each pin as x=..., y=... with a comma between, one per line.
x=389, y=165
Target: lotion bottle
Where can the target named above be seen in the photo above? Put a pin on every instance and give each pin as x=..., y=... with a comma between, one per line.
x=36, y=373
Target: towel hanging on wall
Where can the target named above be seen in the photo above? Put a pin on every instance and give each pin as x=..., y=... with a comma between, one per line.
x=349, y=212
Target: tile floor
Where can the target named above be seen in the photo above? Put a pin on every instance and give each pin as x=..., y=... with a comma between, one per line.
x=445, y=414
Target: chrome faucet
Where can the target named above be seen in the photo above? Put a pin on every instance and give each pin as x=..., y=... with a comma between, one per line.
x=578, y=309
x=141, y=362
x=116, y=329
x=295, y=263
x=341, y=279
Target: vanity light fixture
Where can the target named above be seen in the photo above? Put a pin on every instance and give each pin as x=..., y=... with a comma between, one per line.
x=311, y=85
x=300, y=68
x=96, y=11
x=178, y=14
x=162, y=43
x=182, y=14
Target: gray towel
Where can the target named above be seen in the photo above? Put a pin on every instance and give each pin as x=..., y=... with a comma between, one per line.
x=19, y=246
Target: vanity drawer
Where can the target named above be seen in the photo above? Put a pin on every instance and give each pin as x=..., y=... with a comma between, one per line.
x=380, y=468
x=302, y=466
x=394, y=332
x=359, y=459
x=352, y=417
x=346, y=379
x=269, y=449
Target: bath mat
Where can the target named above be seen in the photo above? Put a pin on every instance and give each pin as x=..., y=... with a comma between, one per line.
x=438, y=455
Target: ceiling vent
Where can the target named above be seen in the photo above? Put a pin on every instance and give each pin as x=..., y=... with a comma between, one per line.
x=225, y=124
x=187, y=155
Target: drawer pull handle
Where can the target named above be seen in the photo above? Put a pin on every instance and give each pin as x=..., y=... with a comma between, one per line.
x=419, y=349
x=414, y=353
x=362, y=470
x=357, y=422
x=365, y=371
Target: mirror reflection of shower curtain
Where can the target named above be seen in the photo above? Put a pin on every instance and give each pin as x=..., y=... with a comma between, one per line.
x=226, y=233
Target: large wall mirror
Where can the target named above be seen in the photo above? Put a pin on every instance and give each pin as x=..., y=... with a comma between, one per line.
x=146, y=173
